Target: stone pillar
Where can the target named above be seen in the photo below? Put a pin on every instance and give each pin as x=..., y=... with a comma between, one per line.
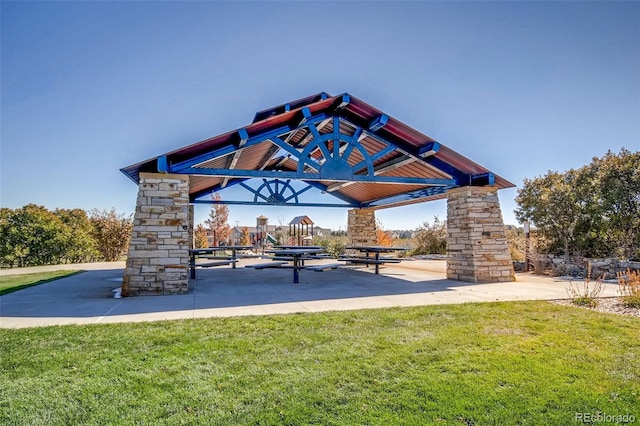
x=361, y=227
x=477, y=249
x=160, y=241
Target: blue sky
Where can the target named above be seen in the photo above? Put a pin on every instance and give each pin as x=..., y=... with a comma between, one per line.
x=519, y=87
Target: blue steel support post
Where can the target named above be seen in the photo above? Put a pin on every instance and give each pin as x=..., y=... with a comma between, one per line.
x=163, y=164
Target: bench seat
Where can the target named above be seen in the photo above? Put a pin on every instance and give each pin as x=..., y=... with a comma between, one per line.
x=322, y=268
x=266, y=265
x=321, y=256
x=368, y=261
x=214, y=264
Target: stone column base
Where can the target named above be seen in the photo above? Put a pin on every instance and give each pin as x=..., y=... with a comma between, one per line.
x=477, y=249
x=158, y=256
x=361, y=227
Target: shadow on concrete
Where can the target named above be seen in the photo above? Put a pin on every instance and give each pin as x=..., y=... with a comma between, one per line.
x=90, y=294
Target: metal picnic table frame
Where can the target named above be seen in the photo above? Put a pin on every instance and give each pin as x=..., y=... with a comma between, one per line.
x=194, y=253
x=296, y=255
x=373, y=249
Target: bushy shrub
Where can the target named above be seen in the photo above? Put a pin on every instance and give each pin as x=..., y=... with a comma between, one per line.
x=430, y=238
x=334, y=245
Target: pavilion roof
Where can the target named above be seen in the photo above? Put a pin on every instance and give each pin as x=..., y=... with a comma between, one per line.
x=338, y=145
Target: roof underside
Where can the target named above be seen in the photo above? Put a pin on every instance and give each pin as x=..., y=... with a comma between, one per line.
x=333, y=144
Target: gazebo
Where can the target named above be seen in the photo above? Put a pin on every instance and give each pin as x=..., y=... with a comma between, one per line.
x=300, y=229
x=346, y=152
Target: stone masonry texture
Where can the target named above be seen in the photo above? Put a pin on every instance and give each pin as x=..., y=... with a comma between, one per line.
x=158, y=256
x=361, y=227
x=477, y=249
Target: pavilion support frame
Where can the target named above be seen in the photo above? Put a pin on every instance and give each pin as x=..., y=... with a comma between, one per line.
x=477, y=248
x=161, y=237
x=328, y=143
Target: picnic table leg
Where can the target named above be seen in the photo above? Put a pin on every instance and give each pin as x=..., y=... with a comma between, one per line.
x=192, y=265
x=296, y=278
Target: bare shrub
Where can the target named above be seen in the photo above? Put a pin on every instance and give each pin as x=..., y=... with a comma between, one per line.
x=629, y=288
x=586, y=294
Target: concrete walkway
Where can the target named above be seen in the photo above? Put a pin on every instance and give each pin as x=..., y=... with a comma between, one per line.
x=219, y=292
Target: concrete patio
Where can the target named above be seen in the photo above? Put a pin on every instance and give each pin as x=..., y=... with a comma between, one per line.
x=221, y=292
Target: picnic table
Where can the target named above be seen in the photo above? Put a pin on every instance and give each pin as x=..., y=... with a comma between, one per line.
x=376, y=260
x=210, y=253
x=297, y=255
x=295, y=247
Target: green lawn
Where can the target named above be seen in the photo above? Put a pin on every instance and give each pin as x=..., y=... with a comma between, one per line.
x=485, y=364
x=11, y=283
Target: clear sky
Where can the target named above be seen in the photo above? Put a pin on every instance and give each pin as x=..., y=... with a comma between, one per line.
x=519, y=87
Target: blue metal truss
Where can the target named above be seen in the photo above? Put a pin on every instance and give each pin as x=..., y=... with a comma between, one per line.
x=248, y=174
x=324, y=158
x=249, y=203
x=336, y=166
x=275, y=192
x=331, y=165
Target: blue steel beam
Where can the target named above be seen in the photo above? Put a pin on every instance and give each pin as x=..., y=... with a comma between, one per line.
x=343, y=102
x=254, y=203
x=244, y=137
x=413, y=195
x=163, y=164
x=483, y=179
x=232, y=147
x=378, y=122
x=297, y=193
x=317, y=176
x=322, y=187
x=215, y=188
x=255, y=193
x=378, y=155
x=418, y=153
x=429, y=149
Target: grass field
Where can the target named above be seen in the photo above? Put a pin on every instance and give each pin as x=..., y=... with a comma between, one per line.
x=11, y=283
x=502, y=363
